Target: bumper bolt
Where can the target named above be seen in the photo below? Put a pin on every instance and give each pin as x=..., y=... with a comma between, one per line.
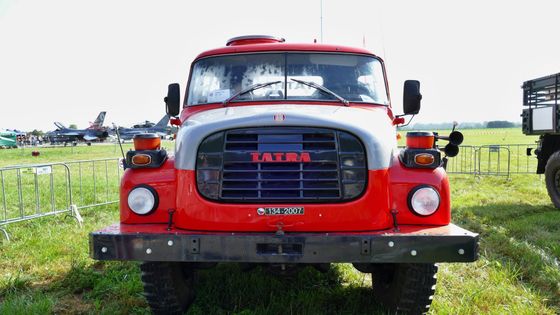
x=103, y=249
x=391, y=244
x=461, y=251
x=170, y=243
x=413, y=252
x=148, y=251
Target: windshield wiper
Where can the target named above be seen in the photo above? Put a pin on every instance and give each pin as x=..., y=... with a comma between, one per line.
x=324, y=89
x=249, y=89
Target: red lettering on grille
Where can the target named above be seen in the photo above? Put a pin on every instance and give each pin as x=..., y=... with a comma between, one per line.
x=290, y=157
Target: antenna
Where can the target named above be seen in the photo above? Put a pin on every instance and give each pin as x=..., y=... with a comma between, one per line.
x=321, y=21
x=120, y=144
x=381, y=30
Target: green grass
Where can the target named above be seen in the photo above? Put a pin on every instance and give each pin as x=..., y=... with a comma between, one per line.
x=488, y=136
x=495, y=136
x=60, y=153
x=46, y=268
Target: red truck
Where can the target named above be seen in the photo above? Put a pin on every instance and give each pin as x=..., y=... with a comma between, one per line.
x=286, y=157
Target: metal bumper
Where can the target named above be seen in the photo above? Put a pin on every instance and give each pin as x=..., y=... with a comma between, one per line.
x=412, y=244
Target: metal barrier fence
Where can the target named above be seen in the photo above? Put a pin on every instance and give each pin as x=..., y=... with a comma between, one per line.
x=40, y=190
x=464, y=162
x=496, y=160
x=34, y=191
x=521, y=163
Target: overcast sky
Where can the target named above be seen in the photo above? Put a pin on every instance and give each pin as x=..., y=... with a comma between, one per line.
x=68, y=60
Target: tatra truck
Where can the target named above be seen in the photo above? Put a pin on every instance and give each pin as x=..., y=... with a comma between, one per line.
x=286, y=156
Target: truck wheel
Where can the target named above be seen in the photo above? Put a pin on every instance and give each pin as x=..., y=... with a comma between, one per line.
x=404, y=288
x=552, y=178
x=168, y=286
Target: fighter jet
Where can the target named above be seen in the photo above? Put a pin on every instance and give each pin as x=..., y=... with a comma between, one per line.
x=94, y=132
x=160, y=129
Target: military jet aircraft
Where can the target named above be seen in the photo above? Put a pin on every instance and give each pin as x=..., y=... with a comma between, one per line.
x=160, y=129
x=94, y=132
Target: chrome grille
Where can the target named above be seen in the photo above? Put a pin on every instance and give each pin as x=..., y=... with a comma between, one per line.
x=270, y=165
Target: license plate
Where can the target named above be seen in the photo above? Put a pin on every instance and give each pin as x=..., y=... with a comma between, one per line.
x=281, y=211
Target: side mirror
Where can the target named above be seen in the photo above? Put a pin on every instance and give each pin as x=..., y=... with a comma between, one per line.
x=172, y=100
x=411, y=97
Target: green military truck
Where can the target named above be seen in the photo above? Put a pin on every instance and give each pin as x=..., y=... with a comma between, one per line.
x=541, y=116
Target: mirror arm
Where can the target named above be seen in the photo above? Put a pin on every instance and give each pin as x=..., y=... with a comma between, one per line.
x=409, y=121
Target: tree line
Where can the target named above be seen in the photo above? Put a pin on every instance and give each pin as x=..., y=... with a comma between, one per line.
x=464, y=125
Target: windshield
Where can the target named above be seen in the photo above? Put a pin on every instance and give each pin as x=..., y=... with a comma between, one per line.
x=353, y=77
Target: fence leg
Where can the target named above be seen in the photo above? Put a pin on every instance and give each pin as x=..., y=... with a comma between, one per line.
x=5, y=233
x=76, y=215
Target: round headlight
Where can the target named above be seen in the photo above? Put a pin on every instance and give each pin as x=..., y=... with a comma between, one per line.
x=424, y=200
x=142, y=200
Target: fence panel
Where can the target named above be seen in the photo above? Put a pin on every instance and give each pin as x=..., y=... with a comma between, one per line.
x=29, y=192
x=33, y=191
x=464, y=162
x=95, y=182
x=494, y=160
x=521, y=163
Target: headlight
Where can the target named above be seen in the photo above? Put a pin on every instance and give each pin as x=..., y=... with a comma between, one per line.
x=142, y=200
x=423, y=200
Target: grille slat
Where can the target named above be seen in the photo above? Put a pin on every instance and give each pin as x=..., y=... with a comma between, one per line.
x=285, y=141
x=281, y=180
x=280, y=164
x=277, y=189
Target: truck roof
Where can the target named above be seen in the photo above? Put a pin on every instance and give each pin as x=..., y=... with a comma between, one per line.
x=263, y=43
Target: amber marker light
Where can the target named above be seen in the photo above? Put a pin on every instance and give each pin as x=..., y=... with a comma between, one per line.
x=424, y=159
x=147, y=141
x=420, y=140
x=141, y=159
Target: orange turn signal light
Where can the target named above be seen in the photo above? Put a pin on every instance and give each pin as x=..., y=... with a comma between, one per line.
x=141, y=159
x=420, y=140
x=147, y=141
x=424, y=159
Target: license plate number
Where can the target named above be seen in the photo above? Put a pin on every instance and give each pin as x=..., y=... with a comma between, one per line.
x=281, y=211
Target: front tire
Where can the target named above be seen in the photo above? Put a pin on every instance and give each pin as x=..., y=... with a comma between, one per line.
x=404, y=288
x=552, y=178
x=168, y=286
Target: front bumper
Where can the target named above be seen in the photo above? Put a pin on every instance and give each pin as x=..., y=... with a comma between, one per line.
x=412, y=244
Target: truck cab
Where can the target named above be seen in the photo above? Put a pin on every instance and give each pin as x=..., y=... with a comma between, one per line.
x=286, y=157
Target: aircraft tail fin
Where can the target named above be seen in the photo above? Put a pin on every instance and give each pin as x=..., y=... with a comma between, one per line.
x=59, y=125
x=98, y=123
x=163, y=122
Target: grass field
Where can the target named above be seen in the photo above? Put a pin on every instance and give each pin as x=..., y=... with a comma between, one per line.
x=477, y=137
x=46, y=268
